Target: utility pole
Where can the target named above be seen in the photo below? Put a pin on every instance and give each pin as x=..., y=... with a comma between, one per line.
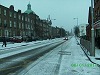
x=92, y=32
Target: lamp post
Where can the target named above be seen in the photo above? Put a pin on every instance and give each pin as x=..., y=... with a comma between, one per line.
x=77, y=20
x=50, y=28
x=92, y=32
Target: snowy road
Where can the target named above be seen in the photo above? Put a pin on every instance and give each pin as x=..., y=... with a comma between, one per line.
x=11, y=63
x=13, y=49
x=67, y=59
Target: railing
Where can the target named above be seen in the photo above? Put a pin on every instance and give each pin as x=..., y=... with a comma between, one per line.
x=86, y=44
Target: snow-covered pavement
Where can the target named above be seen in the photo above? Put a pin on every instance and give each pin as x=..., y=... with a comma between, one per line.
x=66, y=59
x=92, y=58
x=96, y=58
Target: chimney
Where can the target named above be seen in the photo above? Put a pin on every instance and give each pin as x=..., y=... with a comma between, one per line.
x=19, y=11
x=11, y=7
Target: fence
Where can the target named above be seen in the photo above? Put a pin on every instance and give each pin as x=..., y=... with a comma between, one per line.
x=86, y=44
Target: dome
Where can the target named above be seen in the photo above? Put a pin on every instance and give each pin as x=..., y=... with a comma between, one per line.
x=28, y=11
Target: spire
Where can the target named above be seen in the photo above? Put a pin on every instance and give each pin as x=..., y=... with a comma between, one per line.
x=29, y=6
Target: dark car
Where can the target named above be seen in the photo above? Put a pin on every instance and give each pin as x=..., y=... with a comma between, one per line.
x=65, y=38
x=16, y=39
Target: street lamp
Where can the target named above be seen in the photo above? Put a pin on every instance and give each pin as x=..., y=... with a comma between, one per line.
x=77, y=20
x=50, y=22
x=52, y=19
x=49, y=18
x=92, y=32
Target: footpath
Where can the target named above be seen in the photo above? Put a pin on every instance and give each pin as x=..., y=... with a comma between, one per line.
x=94, y=59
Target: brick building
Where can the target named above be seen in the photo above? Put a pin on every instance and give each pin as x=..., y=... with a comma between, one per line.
x=88, y=27
x=96, y=20
x=97, y=17
x=96, y=23
x=16, y=23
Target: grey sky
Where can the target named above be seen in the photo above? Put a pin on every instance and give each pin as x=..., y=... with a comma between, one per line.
x=62, y=10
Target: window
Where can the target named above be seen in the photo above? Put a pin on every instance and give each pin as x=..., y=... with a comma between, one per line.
x=26, y=19
x=19, y=17
x=31, y=27
x=0, y=32
x=5, y=12
x=14, y=24
x=31, y=21
x=26, y=26
x=10, y=24
x=19, y=25
x=5, y=23
x=13, y=33
x=10, y=13
x=22, y=17
x=14, y=15
x=22, y=26
x=98, y=12
x=9, y=33
x=0, y=20
x=0, y=10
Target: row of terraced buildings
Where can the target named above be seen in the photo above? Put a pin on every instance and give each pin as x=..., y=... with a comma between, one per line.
x=16, y=23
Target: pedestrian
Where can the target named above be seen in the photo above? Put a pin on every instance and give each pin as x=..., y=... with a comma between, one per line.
x=4, y=42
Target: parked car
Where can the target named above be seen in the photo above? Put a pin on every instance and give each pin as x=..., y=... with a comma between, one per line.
x=16, y=39
x=27, y=38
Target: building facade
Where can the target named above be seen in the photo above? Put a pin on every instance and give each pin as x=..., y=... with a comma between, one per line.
x=97, y=17
x=96, y=23
x=16, y=23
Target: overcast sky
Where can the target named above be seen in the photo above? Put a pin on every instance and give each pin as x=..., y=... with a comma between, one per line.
x=62, y=10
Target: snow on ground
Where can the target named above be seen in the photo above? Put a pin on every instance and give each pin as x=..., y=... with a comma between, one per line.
x=15, y=48
x=9, y=45
x=77, y=63
x=97, y=54
x=67, y=59
x=45, y=65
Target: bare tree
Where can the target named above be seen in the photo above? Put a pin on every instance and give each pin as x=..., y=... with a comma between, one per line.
x=76, y=31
